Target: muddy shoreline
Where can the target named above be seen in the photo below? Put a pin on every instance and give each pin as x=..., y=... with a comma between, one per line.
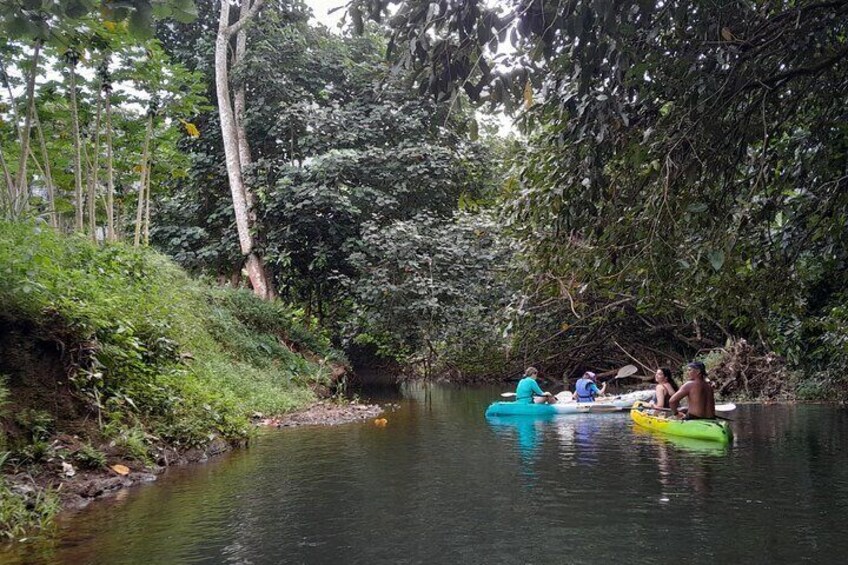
x=324, y=413
x=77, y=488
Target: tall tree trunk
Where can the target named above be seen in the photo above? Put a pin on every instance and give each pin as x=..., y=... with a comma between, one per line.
x=110, y=176
x=142, y=186
x=92, y=187
x=48, y=174
x=147, y=204
x=245, y=159
x=22, y=191
x=8, y=195
x=229, y=133
x=240, y=105
x=72, y=75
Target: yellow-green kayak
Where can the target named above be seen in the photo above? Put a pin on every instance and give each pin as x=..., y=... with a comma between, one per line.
x=709, y=430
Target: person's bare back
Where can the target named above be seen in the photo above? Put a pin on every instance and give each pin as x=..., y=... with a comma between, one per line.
x=698, y=391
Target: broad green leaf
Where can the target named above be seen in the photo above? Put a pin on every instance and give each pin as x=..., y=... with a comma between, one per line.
x=716, y=258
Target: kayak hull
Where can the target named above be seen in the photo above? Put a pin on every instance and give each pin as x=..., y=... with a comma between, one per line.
x=705, y=430
x=614, y=404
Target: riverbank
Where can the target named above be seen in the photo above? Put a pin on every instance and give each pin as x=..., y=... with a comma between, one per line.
x=75, y=487
x=324, y=413
x=114, y=356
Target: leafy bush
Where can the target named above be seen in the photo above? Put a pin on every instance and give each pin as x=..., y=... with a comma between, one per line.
x=89, y=457
x=189, y=362
x=38, y=423
x=21, y=512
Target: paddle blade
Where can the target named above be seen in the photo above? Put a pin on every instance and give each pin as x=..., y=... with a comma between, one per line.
x=508, y=394
x=728, y=407
x=626, y=371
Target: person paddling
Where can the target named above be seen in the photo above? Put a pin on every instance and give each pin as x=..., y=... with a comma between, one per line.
x=586, y=390
x=698, y=391
x=528, y=390
x=666, y=387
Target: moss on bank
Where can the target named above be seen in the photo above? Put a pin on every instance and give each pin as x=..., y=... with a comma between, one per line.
x=117, y=346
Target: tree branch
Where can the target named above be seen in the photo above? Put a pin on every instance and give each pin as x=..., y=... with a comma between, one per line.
x=244, y=17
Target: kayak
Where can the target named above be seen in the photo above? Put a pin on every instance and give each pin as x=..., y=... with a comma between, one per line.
x=708, y=430
x=606, y=405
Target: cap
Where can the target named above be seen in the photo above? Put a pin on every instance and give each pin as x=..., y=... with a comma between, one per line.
x=589, y=375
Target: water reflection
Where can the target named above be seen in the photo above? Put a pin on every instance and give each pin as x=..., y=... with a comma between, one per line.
x=442, y=483
x=525, y=430
x=691, y=445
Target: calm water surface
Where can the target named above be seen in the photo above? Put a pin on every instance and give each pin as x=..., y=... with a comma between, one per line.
x=442, y=484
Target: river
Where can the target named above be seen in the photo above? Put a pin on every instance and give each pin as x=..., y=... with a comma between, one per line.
x=441, y=484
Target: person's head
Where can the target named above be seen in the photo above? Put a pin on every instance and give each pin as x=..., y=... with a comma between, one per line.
x=663, y=375
x=696, y=370
x=589, y=375
x=531, y=372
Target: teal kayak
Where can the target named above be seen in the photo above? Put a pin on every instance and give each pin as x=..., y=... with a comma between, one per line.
x=618, y=403
x=520, y=409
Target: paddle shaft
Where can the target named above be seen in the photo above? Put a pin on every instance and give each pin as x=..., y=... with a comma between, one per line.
x=717, y=417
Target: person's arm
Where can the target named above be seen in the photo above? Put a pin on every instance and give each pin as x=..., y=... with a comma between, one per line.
x=538, y=391
x=595, y=391
x=656, y=401
x=675, y=399
x=603, y=388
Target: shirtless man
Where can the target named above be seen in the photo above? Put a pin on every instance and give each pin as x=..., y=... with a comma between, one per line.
x=698, y=391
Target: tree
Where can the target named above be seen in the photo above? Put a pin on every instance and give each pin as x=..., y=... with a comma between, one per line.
x=687, y=159
x=69, y=27
x=234, y=149
x=436, y=289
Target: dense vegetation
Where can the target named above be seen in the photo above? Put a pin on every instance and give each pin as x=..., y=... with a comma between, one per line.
x=676, y=186
x=118, y=345
x=684, y=178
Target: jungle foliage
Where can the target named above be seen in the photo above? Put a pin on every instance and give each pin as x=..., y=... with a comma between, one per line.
x=139, y=343
x=685, y=176
x=340, y=147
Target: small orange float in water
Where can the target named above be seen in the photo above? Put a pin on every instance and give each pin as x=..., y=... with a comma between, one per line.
x=381, y=422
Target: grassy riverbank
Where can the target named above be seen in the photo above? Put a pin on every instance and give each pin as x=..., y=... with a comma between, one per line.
x=112, y=354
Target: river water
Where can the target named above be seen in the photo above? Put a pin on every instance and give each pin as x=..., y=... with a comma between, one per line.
x=441, y=484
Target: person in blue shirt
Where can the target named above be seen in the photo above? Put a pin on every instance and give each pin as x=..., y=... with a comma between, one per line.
x=586, y=390
x=528, y=390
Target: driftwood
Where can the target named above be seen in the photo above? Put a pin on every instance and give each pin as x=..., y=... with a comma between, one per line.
x=745, y=371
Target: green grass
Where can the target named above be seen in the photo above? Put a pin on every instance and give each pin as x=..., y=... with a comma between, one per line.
x=159, y=356
x=186, y=360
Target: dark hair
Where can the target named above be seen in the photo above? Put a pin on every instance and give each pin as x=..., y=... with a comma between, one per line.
x=667, y=372
x=700, y=366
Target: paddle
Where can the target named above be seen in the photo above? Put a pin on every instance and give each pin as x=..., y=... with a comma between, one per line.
x=728, y=407
x=511, y=394
x=625, y=371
